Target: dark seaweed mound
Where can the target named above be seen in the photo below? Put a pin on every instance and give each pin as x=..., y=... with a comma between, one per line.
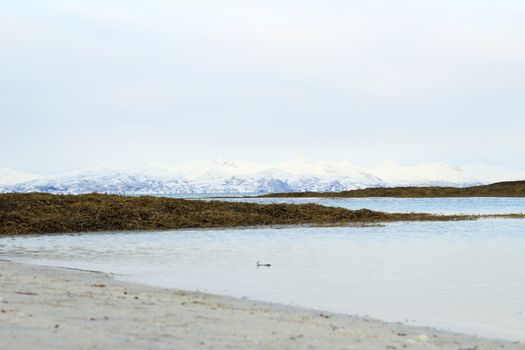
x=28, y=213
x=500, y=189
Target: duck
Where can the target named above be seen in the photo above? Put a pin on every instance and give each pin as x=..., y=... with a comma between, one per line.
x=261, y=264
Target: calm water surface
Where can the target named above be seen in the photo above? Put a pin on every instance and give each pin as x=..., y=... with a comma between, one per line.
x=464, y=276
x=483, y=205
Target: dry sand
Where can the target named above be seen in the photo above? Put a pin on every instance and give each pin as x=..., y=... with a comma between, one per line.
x=51, y=308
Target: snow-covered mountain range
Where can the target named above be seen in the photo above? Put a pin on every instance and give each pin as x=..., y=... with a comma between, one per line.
x=224, y=176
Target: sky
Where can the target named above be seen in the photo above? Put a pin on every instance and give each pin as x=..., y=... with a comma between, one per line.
x=125, y=83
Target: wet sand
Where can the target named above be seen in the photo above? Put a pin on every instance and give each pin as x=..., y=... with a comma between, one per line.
x=52, y=308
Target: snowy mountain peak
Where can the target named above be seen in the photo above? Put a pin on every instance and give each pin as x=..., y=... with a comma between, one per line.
x=304, y=166
x=235, y=176
x=203, y=169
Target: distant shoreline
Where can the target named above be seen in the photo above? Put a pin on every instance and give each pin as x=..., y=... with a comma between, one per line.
x=41, y=213
x=499, y=189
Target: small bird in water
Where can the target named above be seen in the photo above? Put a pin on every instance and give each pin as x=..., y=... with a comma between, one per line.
x=261, y=264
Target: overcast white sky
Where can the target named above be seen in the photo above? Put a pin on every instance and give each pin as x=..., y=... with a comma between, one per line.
x=84, y=83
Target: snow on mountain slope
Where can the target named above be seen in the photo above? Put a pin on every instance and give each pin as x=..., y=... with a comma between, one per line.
x=435, y=174
x=218, y=168
x=12, y=176
x=222, y=176
x=493, y=174
x=304, y=166
x=104, y=180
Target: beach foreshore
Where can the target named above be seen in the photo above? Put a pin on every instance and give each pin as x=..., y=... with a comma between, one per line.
x=57, y=308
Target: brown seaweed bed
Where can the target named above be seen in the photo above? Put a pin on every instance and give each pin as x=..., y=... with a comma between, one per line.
x=499, y=189
x=37, y=213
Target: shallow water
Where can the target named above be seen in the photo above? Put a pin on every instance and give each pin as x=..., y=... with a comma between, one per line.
x=464, y=276
x=482, y=205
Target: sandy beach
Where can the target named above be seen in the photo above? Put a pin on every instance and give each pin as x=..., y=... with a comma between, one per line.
x=53, y=308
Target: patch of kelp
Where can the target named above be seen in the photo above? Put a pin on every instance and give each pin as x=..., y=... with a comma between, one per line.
x=36, y=213
x=499, y=189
